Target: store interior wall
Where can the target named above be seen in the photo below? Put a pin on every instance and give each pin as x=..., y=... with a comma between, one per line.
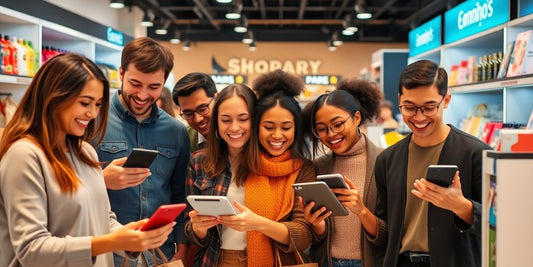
x=125, y=20
x=347, y=61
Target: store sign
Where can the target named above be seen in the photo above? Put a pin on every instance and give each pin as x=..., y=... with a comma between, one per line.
x=525, y=7
x=115, y=36
x=322, y=79
x=425, y=37
x=474, y=16
x=260, y=66
x=229, y=79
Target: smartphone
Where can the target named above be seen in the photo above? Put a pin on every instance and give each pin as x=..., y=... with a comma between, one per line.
x=334, y=180
x=211, y=205
x=321, y=194
x=140, y=158
x=441, y=174
x=165, y=214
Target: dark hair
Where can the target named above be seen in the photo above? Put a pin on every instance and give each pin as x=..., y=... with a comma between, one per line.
x=216, y=159
x=57, y=84
x=191, y=82
x=424, y=73
x=351, y=95
x=147, y=55
x=166, y=102
x=277, y=88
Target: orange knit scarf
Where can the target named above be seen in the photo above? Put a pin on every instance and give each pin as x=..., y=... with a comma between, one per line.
x=269, y=194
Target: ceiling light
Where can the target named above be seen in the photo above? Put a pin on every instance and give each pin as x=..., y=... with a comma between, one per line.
x=349, y=24
x=116, y=4
x=147, y=21
x=331, y=46
x=163, y=28
x=242, y=27
x=224, y=1
x=176, y=37
x=252, y=47
x=347, y=32
x=186, y=45
x=362, y=13
x=335, y=39
x=234, y=12
x=248, y=37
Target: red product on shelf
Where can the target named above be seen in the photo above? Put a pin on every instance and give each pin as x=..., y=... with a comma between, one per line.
x=12, y=55
x=7, y=65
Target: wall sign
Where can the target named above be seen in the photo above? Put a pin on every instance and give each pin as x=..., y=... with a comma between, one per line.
x=474, y=16
x=321, y=79
x=229, y=79
x=114, y=36
x=525, y=7
x=425, y=37
x=260, y=66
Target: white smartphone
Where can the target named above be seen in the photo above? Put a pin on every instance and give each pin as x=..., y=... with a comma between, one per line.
x=334, y=180
x=211, y=205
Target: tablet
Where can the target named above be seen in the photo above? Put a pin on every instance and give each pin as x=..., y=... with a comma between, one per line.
x=140, y=158
x=211, y=205
x=164, y=215
x=320, y=193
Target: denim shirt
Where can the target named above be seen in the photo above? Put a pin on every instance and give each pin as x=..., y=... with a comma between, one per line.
x=166, y=184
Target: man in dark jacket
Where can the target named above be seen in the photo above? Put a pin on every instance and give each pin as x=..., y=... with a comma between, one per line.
x=419, y=222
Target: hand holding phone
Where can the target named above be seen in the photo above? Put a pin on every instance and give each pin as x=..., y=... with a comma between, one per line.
x=140, y=158
x=441, y=175
x=164, y=215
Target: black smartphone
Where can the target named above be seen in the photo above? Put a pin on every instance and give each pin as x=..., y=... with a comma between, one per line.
x=334, y=180
x=140, y=158
x=441, y=174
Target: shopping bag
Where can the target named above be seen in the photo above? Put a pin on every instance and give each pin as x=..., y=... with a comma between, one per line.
x=476, y=120
x=299, y=259
x=165, y=263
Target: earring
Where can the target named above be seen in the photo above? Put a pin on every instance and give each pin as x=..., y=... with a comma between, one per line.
x=359, y=131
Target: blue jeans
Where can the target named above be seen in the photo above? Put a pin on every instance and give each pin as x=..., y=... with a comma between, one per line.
x=343, y=263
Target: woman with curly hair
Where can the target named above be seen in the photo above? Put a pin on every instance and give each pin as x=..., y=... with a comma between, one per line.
x=334, y=120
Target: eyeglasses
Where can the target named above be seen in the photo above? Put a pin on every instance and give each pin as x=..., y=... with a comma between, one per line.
x=336, y=127
x=202, y=110
x=427, y=110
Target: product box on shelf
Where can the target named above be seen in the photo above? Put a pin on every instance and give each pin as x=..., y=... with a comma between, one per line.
x=505, y=61
x=522, y=57
x=516, y=140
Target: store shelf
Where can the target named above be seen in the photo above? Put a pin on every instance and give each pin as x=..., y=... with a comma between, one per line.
x=525, y=81
x=13, y=79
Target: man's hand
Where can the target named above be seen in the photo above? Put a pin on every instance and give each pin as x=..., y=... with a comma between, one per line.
x=116, y=177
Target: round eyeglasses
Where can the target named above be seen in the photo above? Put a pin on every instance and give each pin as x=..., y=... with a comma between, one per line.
x=202, y=110
x=336, y=127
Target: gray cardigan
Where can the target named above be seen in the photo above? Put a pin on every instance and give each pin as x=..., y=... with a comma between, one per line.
x=321, y=247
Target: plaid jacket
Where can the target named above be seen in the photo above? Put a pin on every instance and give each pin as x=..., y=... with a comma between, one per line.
x=209, y=248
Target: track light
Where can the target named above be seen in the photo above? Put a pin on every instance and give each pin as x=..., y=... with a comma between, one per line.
x=349, y=25
x=335, y=39
x=234, y=12
x=116, y=4
x=331, y=46
x=252, y=47
x=147, y=20
x=362, y=13
x=242, y=27
x=224, y=1
x=163, y=28
x=176, y=37
x=248, y=37
x=186, y=45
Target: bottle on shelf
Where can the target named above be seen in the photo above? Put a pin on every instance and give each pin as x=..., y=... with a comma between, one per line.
x=30, y=60
x=479, y=76
x=21, y=56
x=497, y=64
x=1, y=55
x=9, y=56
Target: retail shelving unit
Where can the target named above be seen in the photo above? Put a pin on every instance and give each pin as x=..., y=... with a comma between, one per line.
x=507, y=182
x=45, y=33
x=508, y=99
x=387, y=65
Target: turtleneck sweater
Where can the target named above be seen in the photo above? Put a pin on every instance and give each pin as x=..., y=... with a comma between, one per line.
x=347, y=233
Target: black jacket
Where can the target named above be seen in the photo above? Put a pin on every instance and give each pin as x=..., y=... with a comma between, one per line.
x=452, y=242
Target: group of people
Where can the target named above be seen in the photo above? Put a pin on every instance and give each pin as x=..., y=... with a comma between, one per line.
x=66, y=200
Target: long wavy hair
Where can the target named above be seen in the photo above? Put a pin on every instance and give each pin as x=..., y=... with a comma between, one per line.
x=55, y=86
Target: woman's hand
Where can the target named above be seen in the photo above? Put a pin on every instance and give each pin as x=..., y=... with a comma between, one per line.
x=200, y=223
x=245, y=221
x=318, y=218
x=350, y=198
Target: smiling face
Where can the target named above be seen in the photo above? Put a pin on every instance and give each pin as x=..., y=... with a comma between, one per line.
x=140, y=90
x=329, y=116
x=427, y=130
x=198, y=99
x=234, y=123
x=276, y=130
x=75, y=116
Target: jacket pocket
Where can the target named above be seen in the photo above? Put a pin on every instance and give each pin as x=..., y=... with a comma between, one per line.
x=111, y=150
x=166, y=160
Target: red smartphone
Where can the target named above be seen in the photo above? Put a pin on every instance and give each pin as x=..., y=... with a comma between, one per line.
x=165, y=214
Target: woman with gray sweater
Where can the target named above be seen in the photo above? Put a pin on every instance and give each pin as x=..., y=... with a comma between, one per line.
x=334, y=120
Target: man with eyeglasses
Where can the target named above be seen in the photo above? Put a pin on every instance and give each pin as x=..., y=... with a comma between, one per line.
x=419, y=222
x=194, y=93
